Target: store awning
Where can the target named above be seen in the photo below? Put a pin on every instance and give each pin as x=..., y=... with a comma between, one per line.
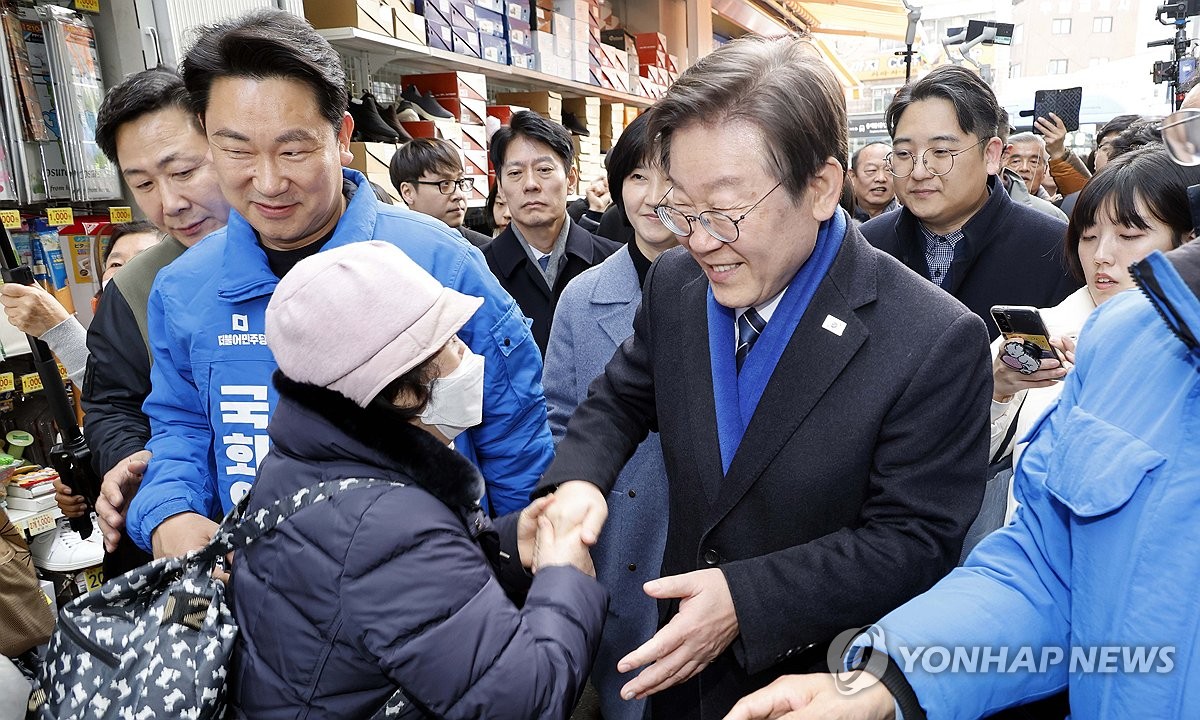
x=861, y=18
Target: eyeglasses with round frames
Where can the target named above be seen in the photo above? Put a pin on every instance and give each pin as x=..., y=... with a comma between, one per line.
x=1181, y=135
x=716, y=223
x=901, y=163
x=446, y=187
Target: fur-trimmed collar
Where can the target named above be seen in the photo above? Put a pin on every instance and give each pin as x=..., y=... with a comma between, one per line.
x=446, y=474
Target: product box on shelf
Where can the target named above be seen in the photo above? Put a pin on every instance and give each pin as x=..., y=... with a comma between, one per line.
x=371, y=158
x=543, y=20
x=578, y=9
x=370, y=15
x=469, y=112
x=520, y=35
x=453, y=85
x=491, y=23
x=408, y=26
x=447, y=130
x=564, y=36
x=586, y=110
x=519, y=10
x=526, y=60
x=656, y=42
x=493, y=49
x=504, y=113
x=619, y=38
x=493, y=5
x=546, y=102
x=439, y=35
x=612, y=124
x=406, y=5
x=462, y=15
x=581, y=71
x=475, y=162
x=474, y=137
x=439, y=11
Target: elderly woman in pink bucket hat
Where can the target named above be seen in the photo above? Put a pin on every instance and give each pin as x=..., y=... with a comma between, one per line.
x=403, y=585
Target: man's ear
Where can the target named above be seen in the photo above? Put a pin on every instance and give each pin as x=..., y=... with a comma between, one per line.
x=345, y=131
x=993, y=155
x=825, y=188
x=406, y=192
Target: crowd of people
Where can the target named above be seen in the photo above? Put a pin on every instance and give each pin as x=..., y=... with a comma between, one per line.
x=670, y=448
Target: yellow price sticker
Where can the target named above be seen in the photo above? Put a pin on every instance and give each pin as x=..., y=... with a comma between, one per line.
x=62, y=372
x=60, y=217
x=94, y=577
x=120, y=215
x=31, y=383
x=40, y=523
x=11, y=219
x=7, y=382
x=88, y=5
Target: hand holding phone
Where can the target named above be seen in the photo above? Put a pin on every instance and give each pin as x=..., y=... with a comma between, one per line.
x=1027, y=358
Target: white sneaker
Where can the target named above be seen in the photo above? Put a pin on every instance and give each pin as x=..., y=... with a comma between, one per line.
x=62, y=550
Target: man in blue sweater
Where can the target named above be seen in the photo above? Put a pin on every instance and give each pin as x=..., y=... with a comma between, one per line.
x=271, y=94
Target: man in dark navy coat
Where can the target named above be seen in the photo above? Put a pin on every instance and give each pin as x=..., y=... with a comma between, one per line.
x=541, y=250
x=823, y=410
x=958, y=228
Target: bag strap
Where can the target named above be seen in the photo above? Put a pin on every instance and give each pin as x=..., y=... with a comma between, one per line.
x=1008, y=436
x=237, y=530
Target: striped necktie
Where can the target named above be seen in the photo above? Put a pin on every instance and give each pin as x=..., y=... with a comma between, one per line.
x=750, y=326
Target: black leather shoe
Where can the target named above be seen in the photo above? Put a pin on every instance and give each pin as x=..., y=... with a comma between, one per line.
x=570, y=122
x=425, y=105
x=388, y=113
x=368, y=122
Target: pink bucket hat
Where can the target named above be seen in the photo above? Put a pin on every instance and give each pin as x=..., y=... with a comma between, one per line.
x=354, y=318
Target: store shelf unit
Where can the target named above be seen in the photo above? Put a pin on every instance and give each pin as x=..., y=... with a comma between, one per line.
x=380, y=50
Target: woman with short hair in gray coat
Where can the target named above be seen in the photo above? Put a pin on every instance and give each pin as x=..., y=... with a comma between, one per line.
x=594, y=316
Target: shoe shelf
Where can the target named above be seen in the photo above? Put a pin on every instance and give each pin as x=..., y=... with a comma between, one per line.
x=381, y=50
x=34, y=522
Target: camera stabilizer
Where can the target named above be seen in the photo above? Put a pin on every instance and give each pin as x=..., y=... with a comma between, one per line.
x=1182, y=66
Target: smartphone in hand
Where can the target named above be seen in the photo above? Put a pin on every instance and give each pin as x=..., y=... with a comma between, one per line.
x=1027, y=341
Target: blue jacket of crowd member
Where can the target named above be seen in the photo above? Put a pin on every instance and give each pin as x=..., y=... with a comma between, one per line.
x=211, y=391
x=405, y=586
x=594, y=316
x=1089, y=575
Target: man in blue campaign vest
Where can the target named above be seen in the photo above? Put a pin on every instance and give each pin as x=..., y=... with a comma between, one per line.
x=270, y=92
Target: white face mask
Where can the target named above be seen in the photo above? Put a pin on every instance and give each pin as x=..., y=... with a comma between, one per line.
x=456, y=401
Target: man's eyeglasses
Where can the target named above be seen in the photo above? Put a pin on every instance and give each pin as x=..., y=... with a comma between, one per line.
x=938, y=161
x=715, y=223
x=446, y=187
x=1181, y=134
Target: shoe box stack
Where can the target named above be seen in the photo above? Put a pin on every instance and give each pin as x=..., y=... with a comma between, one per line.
x=553, y=38
x=620, y=47
x=656, y=68
x=583, y=17
x=464, y=96
x=393, y=18
x=451, y=25
x=546, y=103
x=612, y=123
x=581, y=117
x=519, y=19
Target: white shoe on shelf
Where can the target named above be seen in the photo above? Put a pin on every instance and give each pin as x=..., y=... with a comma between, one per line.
x=62, y=550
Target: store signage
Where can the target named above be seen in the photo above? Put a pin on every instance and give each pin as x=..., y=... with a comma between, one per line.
x=11, y=219
x=60, y=217
x=120, y=215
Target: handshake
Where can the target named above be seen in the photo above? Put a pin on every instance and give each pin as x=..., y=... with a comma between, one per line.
x=545, y=539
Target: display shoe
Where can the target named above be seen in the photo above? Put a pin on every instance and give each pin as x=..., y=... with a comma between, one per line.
x=425, y=105
x=369, y=125
x=406, y=112
x=570, y=122
x=388, y=113
x=62, y=550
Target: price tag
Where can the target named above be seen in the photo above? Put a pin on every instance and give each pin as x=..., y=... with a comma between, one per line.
x=11, y=219
x=41, y=522
x=7, y=382
x=93, y=577
x=60, y=217
x=31, y=383
x=88, y=6
x=62, y=372
x=120, y=215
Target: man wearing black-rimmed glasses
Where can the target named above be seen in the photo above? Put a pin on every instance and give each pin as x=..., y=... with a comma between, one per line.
x=428, y=174
x=954, y=228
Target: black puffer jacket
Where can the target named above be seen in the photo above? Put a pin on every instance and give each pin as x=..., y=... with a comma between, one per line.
x=382, y=587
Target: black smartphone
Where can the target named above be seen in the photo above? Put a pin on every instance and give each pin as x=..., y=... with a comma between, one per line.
x=1027, y=341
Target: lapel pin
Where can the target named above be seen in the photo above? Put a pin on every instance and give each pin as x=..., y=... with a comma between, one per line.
x=833, y=325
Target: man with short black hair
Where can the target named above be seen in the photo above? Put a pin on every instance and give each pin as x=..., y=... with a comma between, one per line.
x=958, y=227
x=146, y=126
x=541, y=250
x=872, y=183
x=271, y=93
x=428, y=174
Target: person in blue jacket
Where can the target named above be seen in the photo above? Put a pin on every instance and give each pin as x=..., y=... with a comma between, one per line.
x=271, y=94
x=1091, y=583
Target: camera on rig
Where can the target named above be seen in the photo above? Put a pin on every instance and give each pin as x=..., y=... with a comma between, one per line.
x=1178, y=10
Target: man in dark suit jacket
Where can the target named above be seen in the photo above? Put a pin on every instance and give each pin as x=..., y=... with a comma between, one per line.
x=541, y=250
x=428, y=174
x=823, y=411
x=958, y=227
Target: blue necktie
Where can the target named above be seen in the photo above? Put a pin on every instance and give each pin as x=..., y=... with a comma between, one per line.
x=544, y=261
x=750, y=326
